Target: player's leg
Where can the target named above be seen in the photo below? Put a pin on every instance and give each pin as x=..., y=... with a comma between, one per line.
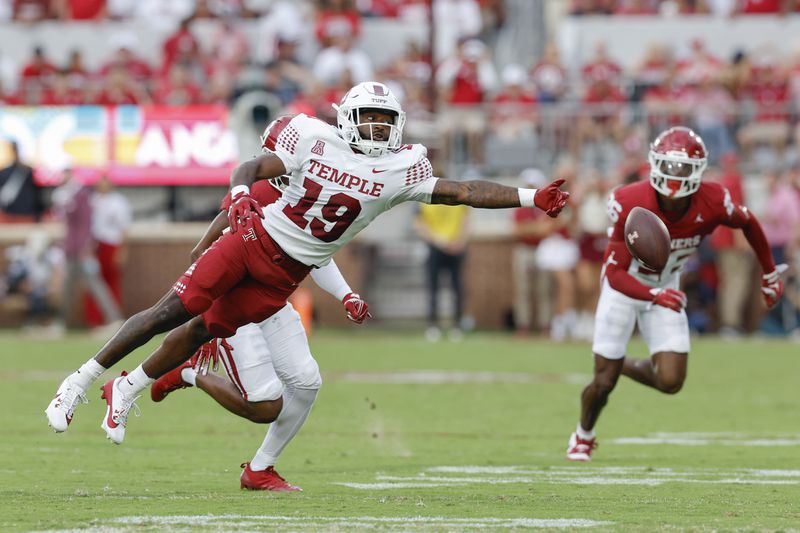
x=667, y=336
x=614, y=322
x=664, y=371
x=219, y=269
x=433, y=267
x=299, y=372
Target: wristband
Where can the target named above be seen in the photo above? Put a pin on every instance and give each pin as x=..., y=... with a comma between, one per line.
x=526, y=197
x=236, y=190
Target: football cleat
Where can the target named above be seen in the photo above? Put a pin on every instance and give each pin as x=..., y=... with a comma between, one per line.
x=62, y=406
x=117, y=411
x=171, y=381
x=580, y=449
x=267, y=479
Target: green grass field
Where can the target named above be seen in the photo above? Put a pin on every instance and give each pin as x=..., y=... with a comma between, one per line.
x=408, y=435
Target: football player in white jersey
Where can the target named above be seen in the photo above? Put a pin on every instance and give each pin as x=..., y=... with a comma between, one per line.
x=341, y=179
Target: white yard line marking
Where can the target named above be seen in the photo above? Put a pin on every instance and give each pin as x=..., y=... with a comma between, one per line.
x=453, y=476
x=443, y=377
x=711, y=439
x=409, y=522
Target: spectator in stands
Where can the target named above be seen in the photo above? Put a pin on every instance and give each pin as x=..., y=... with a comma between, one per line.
x=284, y=21
x=80, y=9
x=769, y=92
x=513, y=110
x=464, y=82
x=77, y=74
x=229, y=48
x=456, y=20
x=493, y=17
x=665, y=104
x=111, y=220
x=698, y=65
x=180, y=46
x=178, y=88
x=601, y=67
x=652, y=70
x=734, y=259
x=781, y=221
x=38, y=72
x=530, y=227
x=158, y=13
x=119, y=88
x=125, y=57
x=592, y=223
x=20, y=196
x=342, y=56
x=600, y=126
x=335, y=19
x=60, y=92
x=72, y=203
x=444, y=229
x=636, y=7
x=549, y=76
x=591, y=7
x=31, y=10
x=713, y=110
x=764, y=7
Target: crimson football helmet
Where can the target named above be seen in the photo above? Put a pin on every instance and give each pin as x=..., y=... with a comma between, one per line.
x=268, y=140
x=677, y=159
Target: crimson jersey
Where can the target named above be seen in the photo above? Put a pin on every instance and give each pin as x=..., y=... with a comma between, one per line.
x=711, y=206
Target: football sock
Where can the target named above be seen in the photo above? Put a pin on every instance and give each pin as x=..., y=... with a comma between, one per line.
x=134, y=383
x=87, y=374
x=582, y=433
x=189, y=375
x=296, y=406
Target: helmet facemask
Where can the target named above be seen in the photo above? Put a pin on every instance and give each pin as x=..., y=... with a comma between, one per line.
x=350, y=115
x=674, y=174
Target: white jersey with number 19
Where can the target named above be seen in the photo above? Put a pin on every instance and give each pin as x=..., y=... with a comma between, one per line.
x=335, y=192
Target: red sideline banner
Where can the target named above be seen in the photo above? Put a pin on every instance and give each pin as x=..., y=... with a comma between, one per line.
x=133, y=145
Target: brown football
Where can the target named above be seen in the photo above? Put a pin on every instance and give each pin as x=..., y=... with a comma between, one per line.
x=647, y=238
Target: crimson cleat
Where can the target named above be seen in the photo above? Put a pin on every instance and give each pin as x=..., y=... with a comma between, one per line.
x=119, y=406
x=171, y=381
x=580, y=449
x=267, y=479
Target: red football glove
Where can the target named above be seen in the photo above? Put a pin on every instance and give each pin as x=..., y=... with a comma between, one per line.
x=669, y=298
x=551, y=199
x=772, y=285
x=207, y=356
x=241, y=211
x=357, y=309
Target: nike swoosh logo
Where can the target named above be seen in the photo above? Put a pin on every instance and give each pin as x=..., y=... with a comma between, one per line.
x=376, y=171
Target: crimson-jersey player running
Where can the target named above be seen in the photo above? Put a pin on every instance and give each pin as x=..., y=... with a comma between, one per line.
x=631, y=294
x=341, y=179
x=273, y=377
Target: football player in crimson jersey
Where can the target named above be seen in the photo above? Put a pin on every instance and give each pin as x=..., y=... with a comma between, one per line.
x=341, y=179
x=632, y=294
x=273, y=377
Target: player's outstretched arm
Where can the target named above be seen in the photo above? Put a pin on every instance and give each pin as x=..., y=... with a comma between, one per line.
x=488, y=195
x=329, y=278
x=213, y=232
x=771, y=283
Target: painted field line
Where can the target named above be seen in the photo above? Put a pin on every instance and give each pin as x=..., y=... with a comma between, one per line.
x=711, y=439
x=408, y=522
x=445, y=377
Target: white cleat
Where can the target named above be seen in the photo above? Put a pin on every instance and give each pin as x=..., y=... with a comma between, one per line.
x=580, y=449
x=62, y=407
x=117, y=411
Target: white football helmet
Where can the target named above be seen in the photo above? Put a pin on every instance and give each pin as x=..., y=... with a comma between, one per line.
x=369, y=95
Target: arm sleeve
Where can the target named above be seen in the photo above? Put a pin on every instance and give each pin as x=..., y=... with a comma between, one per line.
x=618, y=260
x=738, y=216
x=418, y=185
x=330, y=279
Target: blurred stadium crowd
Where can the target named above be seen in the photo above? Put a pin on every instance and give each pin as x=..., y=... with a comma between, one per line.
x=482, y=111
